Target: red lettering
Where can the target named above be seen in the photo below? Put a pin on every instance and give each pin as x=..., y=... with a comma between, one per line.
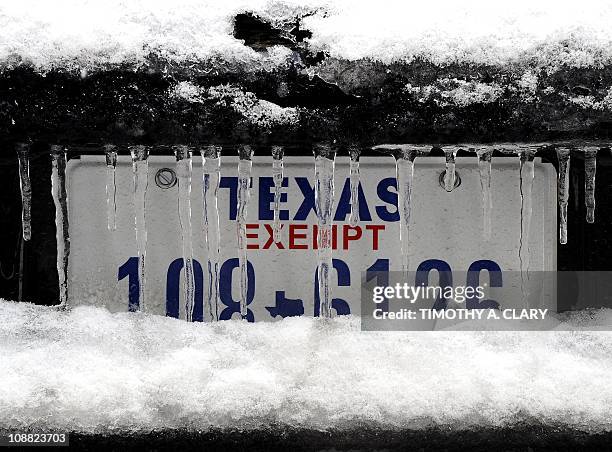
x=335, y=237
x=300, y=239
x=375, y=228
x=347, y=236
x=270, y=241
x=293, y=236
x=252, y=246
x=315, y=237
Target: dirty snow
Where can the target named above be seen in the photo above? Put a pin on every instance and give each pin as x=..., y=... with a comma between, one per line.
x=455, y=92
x=90, y=370
x=261, y=113
x=77, y=34
x=590, y=102
x=256, y=111
x=187, y=91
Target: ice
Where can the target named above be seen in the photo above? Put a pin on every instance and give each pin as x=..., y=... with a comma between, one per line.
x=404, y=167
x=211, y=176
x=23, y=156
x=563, y=155
x=140, y=168
x=325, y=156
x=484, y=170
x=354, y=153
x=88, y=370
x=526, y=177
x=277, y=175
x=111, y=188
x=245, y=164
x=590, y=167
x=60, y=199
x=449, y=175
x=183, y=173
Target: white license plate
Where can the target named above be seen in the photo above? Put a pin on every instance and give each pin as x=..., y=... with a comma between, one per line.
x=444, y=226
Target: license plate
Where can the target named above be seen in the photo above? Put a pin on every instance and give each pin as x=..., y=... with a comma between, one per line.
x=445, y=226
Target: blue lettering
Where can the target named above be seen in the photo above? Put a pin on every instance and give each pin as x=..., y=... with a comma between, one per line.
x=172, y=289
x=225, y=289
x=286, y=307
x=379, y=271
x=344, y=204
x=308, y=203
x=446, y=278
x=344, y=279
x=473, y=280
x=266, y=198
x=389, y=197
x=130, y=269
x=232, y=184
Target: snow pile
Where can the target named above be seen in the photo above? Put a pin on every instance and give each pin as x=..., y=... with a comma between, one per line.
x=547, y=33
x=77, y=34
x=89, y=370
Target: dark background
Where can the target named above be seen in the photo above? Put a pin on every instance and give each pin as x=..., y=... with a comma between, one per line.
x=589, y=245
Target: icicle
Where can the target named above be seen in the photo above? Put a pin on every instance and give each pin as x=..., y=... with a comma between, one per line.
x=111, y=188
x=484, y=169
x=23, y=156
x=404, y=166
x=563, y=155
x=324, y=202
x=449, y=175
x=526, y=175
x=211, y=164
x=354, y=179
x=277, y=175
x=244, y=193
x=60, y=199
x=590, y=167
x=183, y=173
x=140, y=168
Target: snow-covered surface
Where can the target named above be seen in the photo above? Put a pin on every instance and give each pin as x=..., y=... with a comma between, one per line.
x=89, y=370
x=84, y=34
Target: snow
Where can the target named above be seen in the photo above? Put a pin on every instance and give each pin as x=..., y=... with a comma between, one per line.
x=89, y=370
x=546, y=32
x=78, y=34
x=256, y=111
x=527, y=86
x=455, y=92
x=590, y=102
x=187, y=91
x=260, y=112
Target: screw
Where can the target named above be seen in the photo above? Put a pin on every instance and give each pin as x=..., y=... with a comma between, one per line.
x=165, y=178
x=441, y=180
